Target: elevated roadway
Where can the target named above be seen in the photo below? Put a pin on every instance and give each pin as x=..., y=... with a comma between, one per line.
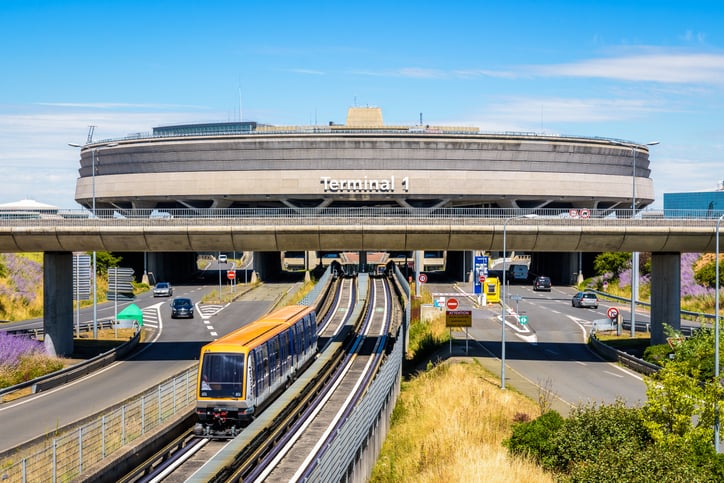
x=272, y=230
x=357, y=229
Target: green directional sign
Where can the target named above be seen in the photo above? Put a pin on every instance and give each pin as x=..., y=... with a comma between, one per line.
x=523, y=320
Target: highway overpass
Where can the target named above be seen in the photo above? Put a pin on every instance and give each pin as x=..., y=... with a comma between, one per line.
x=371, y=229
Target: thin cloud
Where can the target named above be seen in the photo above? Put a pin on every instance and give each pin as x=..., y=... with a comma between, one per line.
x=307, y=71
x=665, y=68
x=532, y=110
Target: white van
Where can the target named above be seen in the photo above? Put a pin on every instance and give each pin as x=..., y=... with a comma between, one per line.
x=518, y=273
x=223, y=258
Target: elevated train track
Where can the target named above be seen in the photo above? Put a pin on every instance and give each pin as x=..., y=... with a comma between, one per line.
x=344, y=309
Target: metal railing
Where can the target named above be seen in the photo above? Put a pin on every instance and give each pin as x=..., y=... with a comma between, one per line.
x=346, y=216
x=65, y=454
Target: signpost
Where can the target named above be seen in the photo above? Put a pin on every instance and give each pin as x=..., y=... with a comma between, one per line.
x=454, y=317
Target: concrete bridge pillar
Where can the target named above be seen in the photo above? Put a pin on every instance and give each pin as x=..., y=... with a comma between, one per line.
x=665, y=294
x=58, y=302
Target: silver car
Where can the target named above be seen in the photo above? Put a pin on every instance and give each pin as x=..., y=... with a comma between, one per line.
x=162, y=289
x=585, y=299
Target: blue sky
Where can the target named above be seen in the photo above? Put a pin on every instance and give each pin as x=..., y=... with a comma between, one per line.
x=636, y=70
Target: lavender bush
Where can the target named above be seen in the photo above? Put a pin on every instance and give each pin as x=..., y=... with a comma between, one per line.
x=13, y=348
x=21, y=288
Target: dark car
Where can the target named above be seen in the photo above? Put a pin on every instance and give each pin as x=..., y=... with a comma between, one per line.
x=182, y=307
x=585, y=299
x=542, y=283
x=162, y=289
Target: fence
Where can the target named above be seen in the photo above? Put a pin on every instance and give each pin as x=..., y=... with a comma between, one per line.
x=67, y=453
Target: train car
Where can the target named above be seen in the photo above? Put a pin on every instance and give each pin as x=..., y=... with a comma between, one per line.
x=242, y=372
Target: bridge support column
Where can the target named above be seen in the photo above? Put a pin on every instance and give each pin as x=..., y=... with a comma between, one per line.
x=665, y=294
x=58, y=302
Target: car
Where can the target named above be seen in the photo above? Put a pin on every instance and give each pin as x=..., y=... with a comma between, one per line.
x=585, y=299
x=542, y=283
x=223, y=258
x=162, y=289
x=182, y=307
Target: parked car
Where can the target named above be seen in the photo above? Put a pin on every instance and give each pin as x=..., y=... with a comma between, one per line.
x=162, y=289
x=182, y=307
x=542, y=283
x=585, y=299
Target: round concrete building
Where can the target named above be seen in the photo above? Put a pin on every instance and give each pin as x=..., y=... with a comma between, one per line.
x=362, y=162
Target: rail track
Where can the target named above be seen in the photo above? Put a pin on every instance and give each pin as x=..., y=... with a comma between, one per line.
x=181, y=458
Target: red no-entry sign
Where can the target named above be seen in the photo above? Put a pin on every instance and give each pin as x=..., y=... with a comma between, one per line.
x=231, y=274
x=452, y=304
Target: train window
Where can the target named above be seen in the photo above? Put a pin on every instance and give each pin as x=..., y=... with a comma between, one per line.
x=222, y=375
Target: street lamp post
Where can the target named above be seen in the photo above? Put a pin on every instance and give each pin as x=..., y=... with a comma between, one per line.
x=504, y=294
x=635, y=255
x=716, y=338
x=93, y=214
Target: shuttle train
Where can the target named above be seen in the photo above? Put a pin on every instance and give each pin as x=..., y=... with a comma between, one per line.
x=243, y=371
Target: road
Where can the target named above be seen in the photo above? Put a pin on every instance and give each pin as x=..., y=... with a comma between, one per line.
x=174, y=346
x=552, y=354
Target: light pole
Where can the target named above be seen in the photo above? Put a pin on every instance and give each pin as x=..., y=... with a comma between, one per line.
x=504, y=294
x=93, y=214
x=635, y=255
x=716, y=339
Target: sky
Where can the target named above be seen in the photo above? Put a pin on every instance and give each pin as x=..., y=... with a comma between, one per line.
x=638, y=70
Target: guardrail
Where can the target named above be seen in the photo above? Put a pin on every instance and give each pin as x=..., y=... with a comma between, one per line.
x=639, y=303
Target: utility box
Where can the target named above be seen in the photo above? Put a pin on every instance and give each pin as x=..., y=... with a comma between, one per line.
x=492, y=290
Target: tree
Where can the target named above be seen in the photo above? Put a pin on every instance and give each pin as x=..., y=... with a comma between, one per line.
x=105, y=260
x=611, y=262
x=706, y=275
x=682, y=396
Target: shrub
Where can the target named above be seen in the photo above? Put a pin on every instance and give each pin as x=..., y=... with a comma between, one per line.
x=591, y=431
x=658, y=354
x=534, y=438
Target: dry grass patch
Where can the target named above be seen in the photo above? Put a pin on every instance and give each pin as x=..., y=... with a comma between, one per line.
x=449, y=424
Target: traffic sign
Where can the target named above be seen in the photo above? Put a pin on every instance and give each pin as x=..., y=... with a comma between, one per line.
x=452, y=303
x=523, y=320
x=612, y=313
x=231, y=274
x=422, y=278
x=482, y=279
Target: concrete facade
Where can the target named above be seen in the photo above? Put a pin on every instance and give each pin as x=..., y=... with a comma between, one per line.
x=361, y=163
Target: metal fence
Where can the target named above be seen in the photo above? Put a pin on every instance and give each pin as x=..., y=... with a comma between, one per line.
x=65, y=454
x=344, y=216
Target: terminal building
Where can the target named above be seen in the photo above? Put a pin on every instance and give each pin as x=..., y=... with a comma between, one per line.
x=695, y=203
x=364, y=163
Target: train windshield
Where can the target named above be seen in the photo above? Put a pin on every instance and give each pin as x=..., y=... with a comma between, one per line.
x=222, y=375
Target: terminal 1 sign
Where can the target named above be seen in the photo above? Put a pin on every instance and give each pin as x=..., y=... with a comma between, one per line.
x=364, y=185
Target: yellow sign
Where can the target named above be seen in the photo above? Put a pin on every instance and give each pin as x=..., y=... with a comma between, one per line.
x=459, y=318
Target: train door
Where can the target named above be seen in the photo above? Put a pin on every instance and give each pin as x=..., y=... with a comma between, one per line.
x=273, y=361
x=285, y=352
x=264, y=375
x=250, y=389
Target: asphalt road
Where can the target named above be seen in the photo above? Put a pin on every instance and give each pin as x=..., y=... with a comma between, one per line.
x=550, y=354
x=174, y=346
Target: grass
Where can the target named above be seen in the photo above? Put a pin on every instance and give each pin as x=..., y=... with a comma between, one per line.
x=450, y=421
x=449, y=424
